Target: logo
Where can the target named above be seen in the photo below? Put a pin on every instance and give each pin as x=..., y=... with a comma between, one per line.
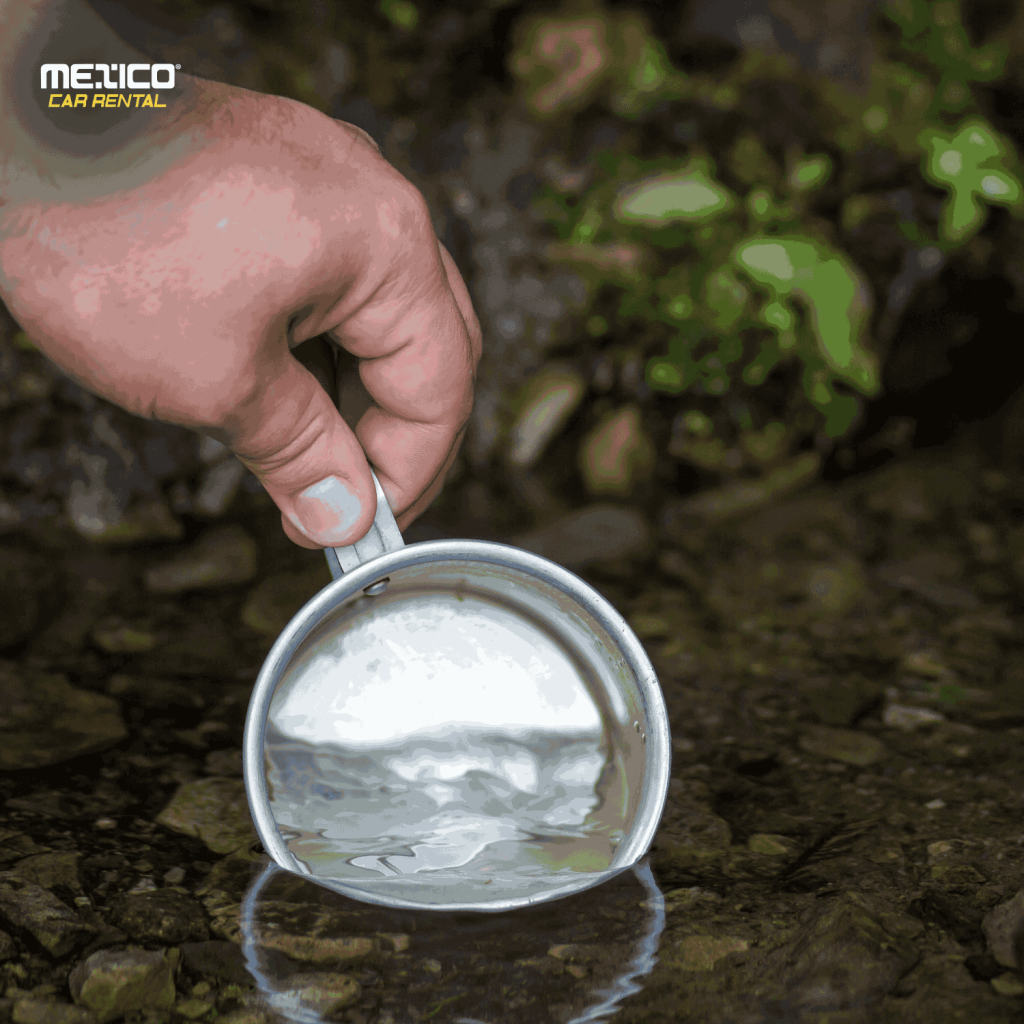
x=103, y=79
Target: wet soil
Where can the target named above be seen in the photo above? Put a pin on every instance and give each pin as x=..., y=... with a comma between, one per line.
x=845, y=681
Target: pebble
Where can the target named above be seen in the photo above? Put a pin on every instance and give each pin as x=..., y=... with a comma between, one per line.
x=617, y=455
x=193, y=1009
x=702, y=952
x=907, y=719
x=549, y=401
x=324, y=994
x=46, y=1011
x=218, y=487
x=271, y=605
x=846, y=745
x=223, y=556
x=594, y=533
x=320, y=951
x=1004, y=931
x=27, y=907
x=1008, y=984
x=218, y=959
x=771, y=845
x=99, y=520
x=115, y=983
x=214, y=810
x=50, y=869
x=45, y=720
x=160, y=917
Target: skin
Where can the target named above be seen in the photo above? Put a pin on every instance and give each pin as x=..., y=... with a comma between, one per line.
x=169, y=260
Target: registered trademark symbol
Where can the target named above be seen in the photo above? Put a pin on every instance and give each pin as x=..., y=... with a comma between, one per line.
x=178, y=66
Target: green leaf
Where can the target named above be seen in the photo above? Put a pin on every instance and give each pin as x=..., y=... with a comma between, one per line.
x=690, y=196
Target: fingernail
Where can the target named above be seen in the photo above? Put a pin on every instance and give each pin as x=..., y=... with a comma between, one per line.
x=326, y=511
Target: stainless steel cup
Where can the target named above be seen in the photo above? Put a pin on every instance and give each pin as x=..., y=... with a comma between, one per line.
x=455, y=725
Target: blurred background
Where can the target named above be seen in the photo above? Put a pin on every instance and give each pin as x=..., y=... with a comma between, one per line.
x=719, y=249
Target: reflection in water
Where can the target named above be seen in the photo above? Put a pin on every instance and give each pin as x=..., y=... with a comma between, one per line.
x=446, y=752
x=468, y=944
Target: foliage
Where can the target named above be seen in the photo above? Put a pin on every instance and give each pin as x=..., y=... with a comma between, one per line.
x=729, y=277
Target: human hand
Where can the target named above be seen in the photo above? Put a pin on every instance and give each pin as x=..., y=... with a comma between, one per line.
x=177, y=292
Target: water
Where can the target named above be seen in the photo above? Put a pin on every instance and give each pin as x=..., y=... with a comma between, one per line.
x=444, y=750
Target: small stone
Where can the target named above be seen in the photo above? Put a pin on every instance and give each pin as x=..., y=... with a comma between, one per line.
x=46, y=1011
x=214, y=810
x=1004, y=931
x=216, y=959
x=576, y=970
x=325, y=993
x=900, y=716
x=141, y=524
x=175, y=876
x=27, y=907
x=844, y=745
x=50, y=869
x=160, y=917
x=836, y=589
x=225, y=763
x=218, y=487
x=594, y=533
x=770, y=845
x=8, y=947
x=221, y=557
x=115, y=983
x=394, y=942
x=926, y=664
x=193, y=1009
x=45, y=720
x=115, y=636
x=935, y=805
x=702, y=952
x=319, y=951
x=270, y=606
x=617, y=455
x=548, y=402
x=1008, y=984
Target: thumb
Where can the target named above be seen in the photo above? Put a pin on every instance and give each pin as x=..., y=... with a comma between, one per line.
x=295, y=441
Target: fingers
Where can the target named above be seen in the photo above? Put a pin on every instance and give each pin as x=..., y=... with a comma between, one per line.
x=418, y=342
x=294, y=440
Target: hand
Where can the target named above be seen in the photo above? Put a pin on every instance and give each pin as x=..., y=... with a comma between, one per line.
x=177, y=293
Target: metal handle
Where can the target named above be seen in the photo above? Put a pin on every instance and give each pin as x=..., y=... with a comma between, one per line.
x=317, y=355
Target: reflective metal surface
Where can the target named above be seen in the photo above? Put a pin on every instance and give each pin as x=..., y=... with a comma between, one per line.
x=483, y=733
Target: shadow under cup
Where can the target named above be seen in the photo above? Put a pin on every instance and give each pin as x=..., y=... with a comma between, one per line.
x=481, y=732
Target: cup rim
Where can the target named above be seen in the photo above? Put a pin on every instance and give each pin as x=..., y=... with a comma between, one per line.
x=658, y=745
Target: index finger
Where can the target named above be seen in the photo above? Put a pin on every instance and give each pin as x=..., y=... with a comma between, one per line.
x=418, y=342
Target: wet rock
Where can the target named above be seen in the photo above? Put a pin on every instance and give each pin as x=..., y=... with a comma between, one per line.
x=23, y=578
x=549, y=401
x=324, y=994
x=838, y=702
x=321, y=951
x=225, y=763
x=214, y=810
x=161, y=917
x=907, y=719
x=115, y=636
x=270, y=606
x=771, y=845
x=50, y=869
x=851, y=955
x=617, y=455
x=193, y=1009
x=930, y=575
x=701, y=952
x=115, y=983
x=45, y=720
x=45, y=1011
x=1008, y=984
x=218, y=959
x=748, y=496
x=692, y=840
x=1004, y=931
x=595, y=533
x=221, y=557
x=29, y=909
x=844, y=745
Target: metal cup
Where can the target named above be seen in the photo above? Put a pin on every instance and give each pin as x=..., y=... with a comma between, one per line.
x=455, y=725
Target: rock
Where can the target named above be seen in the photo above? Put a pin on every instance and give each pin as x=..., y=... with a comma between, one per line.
x=1004, y=931
x=23, y=578
x=1008, y=984
x=160, y=917
x=115, y=983
x=269, y=607
x=221, y=557
x=216, y=959
x=45, y=720
x=193, y=1009
x=29, y=908
x=115, y=636
x=594, y=533
x=218, y=487
x=324, y=994
x=850, y=955
x=45, y=1011
x=907, y=719
x=155, y=693
x=929, y=575
x=225, y=763
x=845, y=745
x=214, y=810
x=321, y=951
x=701, y=952
x=839, y=702
x=747, y=496
x=97, y=518
x=836, y=589
x=771, y=845
x=549, y=400
x=8, y=947
x=50, y=869
x=617, y=455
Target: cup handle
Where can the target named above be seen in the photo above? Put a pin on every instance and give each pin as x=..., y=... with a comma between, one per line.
x=317, y=355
